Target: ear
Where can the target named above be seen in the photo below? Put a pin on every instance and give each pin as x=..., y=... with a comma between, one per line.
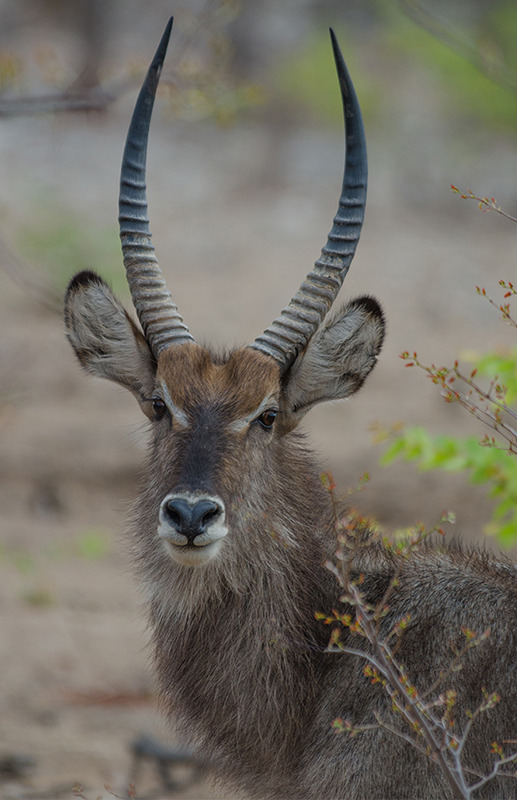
x=105, y=339
x=338, y=359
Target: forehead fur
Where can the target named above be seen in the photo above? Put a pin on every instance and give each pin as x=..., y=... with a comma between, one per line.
x=193, y=375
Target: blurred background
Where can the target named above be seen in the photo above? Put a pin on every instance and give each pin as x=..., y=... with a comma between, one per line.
x=244, y=173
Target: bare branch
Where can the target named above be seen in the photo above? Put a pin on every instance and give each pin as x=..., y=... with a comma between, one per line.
x=97, y=98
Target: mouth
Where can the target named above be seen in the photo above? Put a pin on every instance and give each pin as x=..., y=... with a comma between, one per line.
x=192, y=555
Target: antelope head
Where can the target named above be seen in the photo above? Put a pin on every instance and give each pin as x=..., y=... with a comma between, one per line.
x=222, y=426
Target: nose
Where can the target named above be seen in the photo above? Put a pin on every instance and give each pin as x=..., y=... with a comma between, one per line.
x=190, y=517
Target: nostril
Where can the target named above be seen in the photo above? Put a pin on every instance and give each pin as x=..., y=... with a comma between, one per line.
x=190, y=518
x=179, y=514
x=204, y=513
x=174, y=516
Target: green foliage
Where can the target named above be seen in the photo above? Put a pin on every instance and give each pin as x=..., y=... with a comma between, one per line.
x=495, y=468
x=32, y=565
x=220, y=102
x=464, y=72
x=93, y=544
x=503, y=31
x=504, y=365
x=308, y=78
x=469, y=90
x=59, y=241
x=11, y=69
x=38, y=597
x=490, y=461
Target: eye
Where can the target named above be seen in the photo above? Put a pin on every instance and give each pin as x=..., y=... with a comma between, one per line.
x=159, y=407
x=267, y=418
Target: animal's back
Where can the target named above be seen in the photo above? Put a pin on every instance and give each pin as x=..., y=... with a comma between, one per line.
x=258, y=692
x=449, y=594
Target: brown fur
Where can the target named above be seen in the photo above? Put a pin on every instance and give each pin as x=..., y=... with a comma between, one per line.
x=194, y=377
x=238, y=652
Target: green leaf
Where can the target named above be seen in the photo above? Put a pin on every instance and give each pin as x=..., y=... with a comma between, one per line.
x=496, y=469
x=507, y=534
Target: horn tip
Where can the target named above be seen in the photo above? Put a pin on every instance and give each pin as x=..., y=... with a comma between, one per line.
x=338, y=55
x=168, y=27
x=162, y=47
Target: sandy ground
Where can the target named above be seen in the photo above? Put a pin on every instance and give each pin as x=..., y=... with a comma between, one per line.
x=239, y=214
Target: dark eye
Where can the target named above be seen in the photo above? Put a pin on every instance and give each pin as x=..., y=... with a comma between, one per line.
x=159, y=407
x=267, y=418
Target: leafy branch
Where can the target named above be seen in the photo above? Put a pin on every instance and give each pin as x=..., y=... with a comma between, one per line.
x=485, y=203
x=427, y=720
x=486, y=404
x=488, y=391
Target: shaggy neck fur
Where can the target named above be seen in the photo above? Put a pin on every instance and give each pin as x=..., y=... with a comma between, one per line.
x=236, y=640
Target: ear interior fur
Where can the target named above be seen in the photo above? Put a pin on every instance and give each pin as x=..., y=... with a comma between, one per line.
x=106, y=341
x=338, y=358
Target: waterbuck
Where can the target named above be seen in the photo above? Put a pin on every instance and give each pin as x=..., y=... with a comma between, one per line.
x=233, y=527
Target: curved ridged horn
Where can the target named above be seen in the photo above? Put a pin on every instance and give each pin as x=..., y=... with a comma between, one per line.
x=158, y=314
x=290, y=333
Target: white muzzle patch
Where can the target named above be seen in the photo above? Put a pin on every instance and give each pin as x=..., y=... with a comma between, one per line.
x=192, y=527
